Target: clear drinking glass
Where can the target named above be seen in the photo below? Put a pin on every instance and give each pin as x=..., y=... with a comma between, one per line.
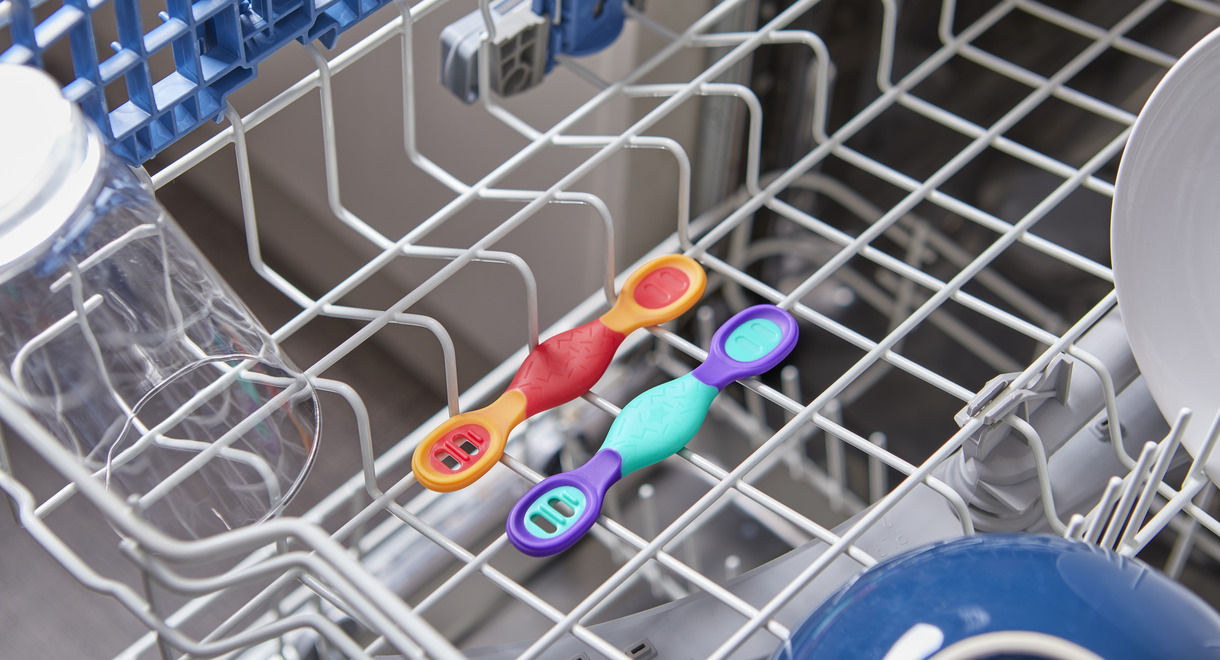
x=122, y=340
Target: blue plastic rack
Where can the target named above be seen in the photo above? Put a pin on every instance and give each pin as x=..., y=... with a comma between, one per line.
x=216, y=46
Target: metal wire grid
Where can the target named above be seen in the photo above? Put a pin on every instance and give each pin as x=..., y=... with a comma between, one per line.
x=285, y=553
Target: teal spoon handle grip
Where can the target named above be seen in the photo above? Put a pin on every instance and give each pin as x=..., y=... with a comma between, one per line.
x=659, y=422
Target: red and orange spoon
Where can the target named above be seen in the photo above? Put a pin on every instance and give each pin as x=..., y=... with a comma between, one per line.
x=464, y=447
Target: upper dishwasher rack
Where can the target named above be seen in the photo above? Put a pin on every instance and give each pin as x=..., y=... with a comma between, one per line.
x=216, y=47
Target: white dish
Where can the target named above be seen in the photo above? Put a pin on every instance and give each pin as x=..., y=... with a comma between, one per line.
x=1165, y=241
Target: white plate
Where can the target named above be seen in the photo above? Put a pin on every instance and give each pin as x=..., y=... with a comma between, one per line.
x=1165, y=241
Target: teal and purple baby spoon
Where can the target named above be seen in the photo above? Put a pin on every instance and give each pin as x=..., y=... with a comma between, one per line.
x=559, y=510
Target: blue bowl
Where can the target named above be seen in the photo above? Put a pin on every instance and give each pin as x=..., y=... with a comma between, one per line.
x=1074, y=594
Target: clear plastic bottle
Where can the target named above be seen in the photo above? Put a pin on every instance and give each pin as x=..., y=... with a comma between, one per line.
x=124, y=342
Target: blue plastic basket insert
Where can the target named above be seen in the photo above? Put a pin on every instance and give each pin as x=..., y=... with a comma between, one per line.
x=216, y=47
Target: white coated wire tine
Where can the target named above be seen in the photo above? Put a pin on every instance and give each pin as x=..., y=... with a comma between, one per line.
x=1109, y=400
x=1179, y=554
x=758, y=412
x=916, y=250
x=333, y=194
x=889, y=35
x=6, y=466
x=821, y=65
x=790, y=385
x=1042, y=468
x=1101, y=513
x=1181, y=501
x=739, y=91
x=648, y=506
x=245, y=190
x=1177, y=503
x=669, y=145
x=1165, y=453
x=438, y=330
x=364, y=432
x=405, y=29
x=1199, y=464
x=601, y=402
x=877, y=482
x=1131, y=483
x=1075, y=527
x=836, y=464
x=705, y=326
x=732, y=567
x=948, y=15
x=154, y=608
x=569, y=197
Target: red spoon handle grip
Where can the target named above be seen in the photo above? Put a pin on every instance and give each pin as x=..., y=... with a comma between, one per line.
x=565, y=366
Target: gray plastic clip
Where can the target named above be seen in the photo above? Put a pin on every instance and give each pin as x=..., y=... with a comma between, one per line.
x=518, y=50
x=996, y=400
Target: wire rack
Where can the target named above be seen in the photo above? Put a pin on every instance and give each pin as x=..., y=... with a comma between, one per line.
x=905, y=229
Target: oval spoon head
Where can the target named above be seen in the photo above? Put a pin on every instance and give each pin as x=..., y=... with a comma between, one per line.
x=660, y=290
x=750, y=343
x=464, y=447
x=559, y=510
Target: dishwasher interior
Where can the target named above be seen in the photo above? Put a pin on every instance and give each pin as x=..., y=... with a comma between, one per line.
x=925, y=186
